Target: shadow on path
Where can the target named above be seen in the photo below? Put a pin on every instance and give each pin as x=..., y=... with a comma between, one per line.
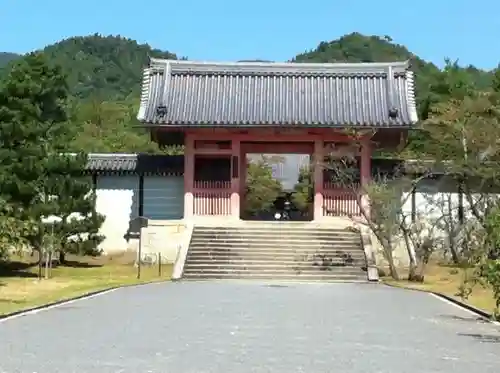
x=483, y=338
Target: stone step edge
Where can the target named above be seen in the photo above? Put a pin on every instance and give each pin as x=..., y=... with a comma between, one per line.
x=352, y=270
x=274, y=240
x=275, y=276
x=284, y=261
x=225, y=265
x=299, y=250
x=296, y=244
x=274, y=231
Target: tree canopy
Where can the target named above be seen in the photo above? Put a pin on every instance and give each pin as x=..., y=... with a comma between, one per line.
x=39, y=178
x=6, y=57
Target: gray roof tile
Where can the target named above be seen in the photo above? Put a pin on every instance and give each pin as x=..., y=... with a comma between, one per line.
x=135, y=163
x=184, y=93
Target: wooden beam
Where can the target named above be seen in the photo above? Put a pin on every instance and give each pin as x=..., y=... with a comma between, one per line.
x=141, y=195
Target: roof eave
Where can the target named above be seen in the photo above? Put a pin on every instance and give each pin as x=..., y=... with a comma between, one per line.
x=181, y=125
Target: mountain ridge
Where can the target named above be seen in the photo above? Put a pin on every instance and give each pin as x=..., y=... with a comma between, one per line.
x=110, y=67
x=7, y=57
x=104, y=74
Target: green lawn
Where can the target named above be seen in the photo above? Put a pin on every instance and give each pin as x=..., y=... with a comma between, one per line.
x=20, y=288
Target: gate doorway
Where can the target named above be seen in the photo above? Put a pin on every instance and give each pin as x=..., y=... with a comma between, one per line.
x=277, y=179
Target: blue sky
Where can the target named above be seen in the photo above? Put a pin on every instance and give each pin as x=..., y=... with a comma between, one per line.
x=265, y=29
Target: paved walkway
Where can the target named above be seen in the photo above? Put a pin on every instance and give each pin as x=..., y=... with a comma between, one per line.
x=250, y=327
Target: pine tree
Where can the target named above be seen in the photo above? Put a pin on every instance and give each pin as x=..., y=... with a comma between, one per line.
x=78, y=231
x=37, y=176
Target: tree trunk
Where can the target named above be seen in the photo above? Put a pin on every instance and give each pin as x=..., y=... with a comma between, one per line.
x=40, y=264
x=62, y=258
x=422, y=270
x=47, y=258
x=392, y=267
x=50, y=264
x=393, y=270
x=412, y=274
x=453, y=249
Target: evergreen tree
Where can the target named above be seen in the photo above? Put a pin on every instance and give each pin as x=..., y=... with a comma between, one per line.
x=303, y=194
x=32, y=117
x=37, y=176
x=74, y=204
x=261, y=189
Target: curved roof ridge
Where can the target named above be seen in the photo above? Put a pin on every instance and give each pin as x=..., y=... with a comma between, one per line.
x=277, y=67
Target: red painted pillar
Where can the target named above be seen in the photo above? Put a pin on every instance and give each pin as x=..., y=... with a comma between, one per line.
x=188, y=176
x=365, y=171
x=318, y=157
x=235, y=178
x=243, y=179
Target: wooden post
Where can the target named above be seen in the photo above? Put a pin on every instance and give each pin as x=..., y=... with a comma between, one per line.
x=189, y=159
x=235, y=178
x=365, y=172
x=318, y=178
x=413, y=205
x=243, y=179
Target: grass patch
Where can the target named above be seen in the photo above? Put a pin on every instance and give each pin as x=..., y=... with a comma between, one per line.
x=20, y=288
x=446, y=279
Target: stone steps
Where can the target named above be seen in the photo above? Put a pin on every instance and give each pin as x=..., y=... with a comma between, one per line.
x=270, y=251
x=305, y=277
x=275, y=233
x=275, y=241
x=271, y=266
x=269, y=256
x=221, y=247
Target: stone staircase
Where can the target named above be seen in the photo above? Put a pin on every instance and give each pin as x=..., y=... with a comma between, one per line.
x=274, y=250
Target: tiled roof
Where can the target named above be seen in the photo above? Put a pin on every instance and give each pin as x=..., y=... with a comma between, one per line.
x=184, y=93
x=135, y=163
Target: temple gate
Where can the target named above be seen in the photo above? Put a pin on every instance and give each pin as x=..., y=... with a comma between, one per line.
x=222, y=111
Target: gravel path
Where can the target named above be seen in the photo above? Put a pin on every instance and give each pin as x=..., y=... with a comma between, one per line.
x=251, y=327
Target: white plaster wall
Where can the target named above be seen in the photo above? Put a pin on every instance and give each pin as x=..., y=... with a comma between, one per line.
x=436, y=207
x=434, y=199
x=117, y=200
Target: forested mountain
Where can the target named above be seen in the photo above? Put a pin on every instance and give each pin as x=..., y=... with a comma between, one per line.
x=6, y=57
x=356, y=47
x=108, y=67
x=104, y=75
